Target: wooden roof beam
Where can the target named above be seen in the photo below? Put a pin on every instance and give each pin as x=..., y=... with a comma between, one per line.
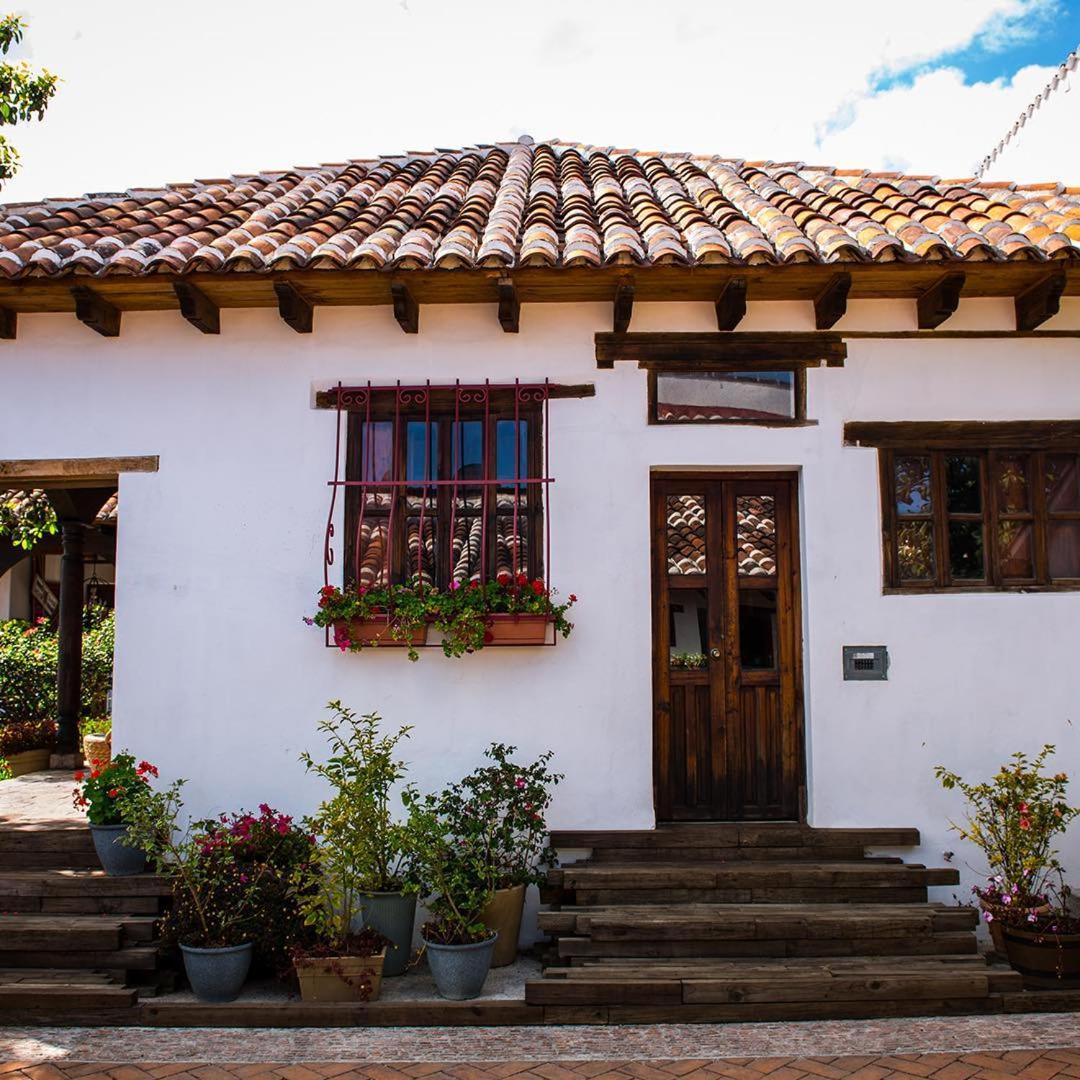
x=509, y=307
x=831, y=303
x=197, y=307
x=940, y=300
x=407, y=310
x=623, y=307
x=294, y=308
x=94, y=310
x=9, y=324
x=1040, y=301
x=731, y=304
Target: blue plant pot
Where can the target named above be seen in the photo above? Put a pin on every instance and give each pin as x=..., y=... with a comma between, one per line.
x=217, y=975
x=117, y=859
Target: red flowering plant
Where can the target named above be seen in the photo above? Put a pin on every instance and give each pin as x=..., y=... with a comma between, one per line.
x=1013, y=819
x=406, y=609
x=110, y=796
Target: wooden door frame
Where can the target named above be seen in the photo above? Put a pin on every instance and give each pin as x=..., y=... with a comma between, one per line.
x=703, y=474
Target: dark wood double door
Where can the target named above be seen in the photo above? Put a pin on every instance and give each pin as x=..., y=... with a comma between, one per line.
x=727, y=729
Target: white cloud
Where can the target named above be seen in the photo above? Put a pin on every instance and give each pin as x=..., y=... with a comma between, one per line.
x=155, y=92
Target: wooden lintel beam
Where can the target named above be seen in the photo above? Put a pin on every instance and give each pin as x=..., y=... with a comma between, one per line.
x=623, y=308
x=94, y=310
x=731, y=304
x=699, y=350
x=940, y=300
x=831, y=303
x=960, y=434
x=407, y=310
x=9, y=324
x=1040, y=301
x=197, y=307
x=294, y=308
x=71, y=472
x=509, y=307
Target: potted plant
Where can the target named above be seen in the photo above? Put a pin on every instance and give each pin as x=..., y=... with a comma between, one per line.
x=368, y=846
x=228, y=874
x=97, y=741
x=1044, y=943
x=381, y=616
x=451, y=866
x=27, y=744
x=111, y=798
x=511, y=833
x=1013, y=819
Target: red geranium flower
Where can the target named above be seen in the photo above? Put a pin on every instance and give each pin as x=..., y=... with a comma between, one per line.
x=523, y=579
x=79, y=777
x=573, y=599
x=538, y=587
x=503, y=578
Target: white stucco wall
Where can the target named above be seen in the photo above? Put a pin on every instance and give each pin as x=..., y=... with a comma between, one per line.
x=220, y=554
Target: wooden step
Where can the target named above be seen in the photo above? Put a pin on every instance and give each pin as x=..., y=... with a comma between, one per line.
x=42, y=988
x=47, y=845
x=761, y=982
x=78, y=892
x=72, y=933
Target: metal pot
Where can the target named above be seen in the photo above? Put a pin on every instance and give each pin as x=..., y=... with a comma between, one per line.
x=217, y=974
x=117, y=859
x=460, y=970
x=392, y=914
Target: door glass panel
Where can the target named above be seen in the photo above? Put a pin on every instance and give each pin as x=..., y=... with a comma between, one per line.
x=915, y=551
x=686, y=534
x=912, y=478
x=1062, y=482
x=757, y=629
x=966, y=550
x=1014, y=549
x=963, y=484
x=689, y=616
x=1012, y=483
x=725, y=395
x=756, y=535
x=1063, y=548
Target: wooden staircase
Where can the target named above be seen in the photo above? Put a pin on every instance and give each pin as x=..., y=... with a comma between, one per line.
x=717, y=922
x=71, y=938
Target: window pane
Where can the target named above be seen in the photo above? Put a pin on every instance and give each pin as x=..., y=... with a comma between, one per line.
x=467, y=450
x=688, y=613
x=912, y=477
x=373, y=552
x=511, y=550
x=757, y=628
x=966, y=550
x=1062, y=482
x=421, y=562
x=467, y=548
x=686, y=534
x=915, y=551
x=963, y=485
x=1014, y=549
x=415, y=443
x=1064, y=549
x=377, y=450
x=511, y=463
x=726, y=395
x=1012, y=483
x=756, y=535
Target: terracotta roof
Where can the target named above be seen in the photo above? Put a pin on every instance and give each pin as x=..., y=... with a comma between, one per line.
x=547, y=204
x=107, y=515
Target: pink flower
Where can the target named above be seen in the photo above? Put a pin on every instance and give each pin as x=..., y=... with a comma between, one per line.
x=519, y=783
x=455, y=585
x=310, y=622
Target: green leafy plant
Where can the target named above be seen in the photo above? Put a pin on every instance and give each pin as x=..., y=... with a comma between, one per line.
x=688, y=661
x=23, y=735
x=96, y=725
x=24, y=93
x=5, y=769
x=1013, y=819
x=26, y=517
x=111, y=796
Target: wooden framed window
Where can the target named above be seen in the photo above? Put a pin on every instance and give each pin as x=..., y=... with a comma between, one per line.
x=445, y=486
x=723, y=394
x=981, y=518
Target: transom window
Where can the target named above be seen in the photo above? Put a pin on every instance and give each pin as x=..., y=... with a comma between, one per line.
x=444, y=485
x=1000, y=518
x=728, y=395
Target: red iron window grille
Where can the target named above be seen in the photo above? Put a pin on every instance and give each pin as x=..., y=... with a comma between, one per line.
x=441, y=484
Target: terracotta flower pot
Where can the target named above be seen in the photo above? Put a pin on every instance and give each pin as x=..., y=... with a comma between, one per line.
x=503, y=913
x=376, y=631
x=340, y=978
x=506, y=629
x=29, y=761
x=1044, y=954
x=97, y=750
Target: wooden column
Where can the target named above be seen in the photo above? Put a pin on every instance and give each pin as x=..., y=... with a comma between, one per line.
x=69, y=666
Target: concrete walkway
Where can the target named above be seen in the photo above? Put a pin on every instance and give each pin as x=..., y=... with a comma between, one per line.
x=39, y=796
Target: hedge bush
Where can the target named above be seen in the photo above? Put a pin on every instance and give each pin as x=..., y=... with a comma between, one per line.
x=28, y=661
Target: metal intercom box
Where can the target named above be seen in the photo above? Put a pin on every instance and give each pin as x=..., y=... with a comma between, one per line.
x=866, y=662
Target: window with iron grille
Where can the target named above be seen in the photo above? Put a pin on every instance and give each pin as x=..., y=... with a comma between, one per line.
x=443, y=485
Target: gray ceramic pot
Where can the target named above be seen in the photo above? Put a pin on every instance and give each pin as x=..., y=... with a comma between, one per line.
x=392, y=914
x=117, y=859
x=460, y=970
x=217, y=974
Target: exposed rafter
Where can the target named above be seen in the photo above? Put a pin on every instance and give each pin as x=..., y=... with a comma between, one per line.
x=731, y=304
x=294, y=307
x=940, y=300
x=197, y=307
x=9, y=324
x=509, y=306
x=831, y=303
x=623, y=308
x=1040, y=301
x=96, y=311
x=406, y=309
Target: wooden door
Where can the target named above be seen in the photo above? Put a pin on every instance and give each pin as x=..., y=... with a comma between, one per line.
x=727, y=729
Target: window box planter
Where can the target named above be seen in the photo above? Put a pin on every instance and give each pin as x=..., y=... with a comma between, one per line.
x=376, y=631
x=29, y=761
x=517, y=629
